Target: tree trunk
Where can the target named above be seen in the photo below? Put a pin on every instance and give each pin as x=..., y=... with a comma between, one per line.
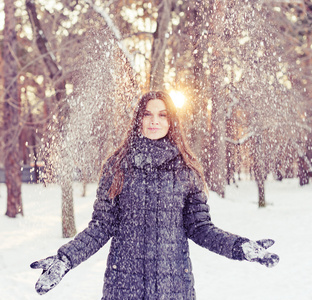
x=230, y=150
x=259, y=168
x=261, y=194
x=308, y=5
x=302, y=172
x=11, y=115
x=303, y=166
x=230, y=169
x=278, y=173
x=68, y=219
x=197, y=21
x=13, y=180
x=309, y=147
x=159, y=46
x=217, y=151
x=84, y=188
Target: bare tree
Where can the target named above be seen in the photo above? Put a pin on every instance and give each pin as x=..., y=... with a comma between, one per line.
x=11, y=114
x=217, y=143
x=197, y=17
x=305, y=161
x=55, y=73
x=159, y=45
x=263, y=90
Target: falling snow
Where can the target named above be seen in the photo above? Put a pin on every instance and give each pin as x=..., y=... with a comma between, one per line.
x=97, y=112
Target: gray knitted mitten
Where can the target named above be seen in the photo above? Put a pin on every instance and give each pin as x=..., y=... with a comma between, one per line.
x=256, y=251
x=54, y=269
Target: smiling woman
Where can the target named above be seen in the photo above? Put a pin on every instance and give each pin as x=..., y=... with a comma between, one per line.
x=151, y=199
x=155, y=123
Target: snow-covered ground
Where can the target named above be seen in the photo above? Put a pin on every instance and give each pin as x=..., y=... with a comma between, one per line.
x=287, y=219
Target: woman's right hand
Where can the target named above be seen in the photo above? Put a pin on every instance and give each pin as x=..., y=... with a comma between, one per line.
x=54, y=269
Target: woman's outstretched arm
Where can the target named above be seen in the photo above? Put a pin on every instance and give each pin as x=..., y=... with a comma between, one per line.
x=200, y=229
x=100, y=229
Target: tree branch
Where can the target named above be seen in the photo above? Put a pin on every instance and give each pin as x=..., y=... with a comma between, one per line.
x=55, y=72
x=113, y=28
x=242, y=140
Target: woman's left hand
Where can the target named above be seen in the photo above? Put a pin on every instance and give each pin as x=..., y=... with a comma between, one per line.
x=256, y=251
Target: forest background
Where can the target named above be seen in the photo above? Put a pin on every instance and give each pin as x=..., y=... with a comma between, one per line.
x=71, y=72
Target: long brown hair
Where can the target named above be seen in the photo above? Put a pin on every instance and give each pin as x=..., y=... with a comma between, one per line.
x=175, y=135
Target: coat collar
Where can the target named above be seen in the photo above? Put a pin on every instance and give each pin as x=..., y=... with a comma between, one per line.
x=147, y=153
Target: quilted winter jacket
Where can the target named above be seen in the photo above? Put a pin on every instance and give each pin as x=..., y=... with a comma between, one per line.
x=161, y=205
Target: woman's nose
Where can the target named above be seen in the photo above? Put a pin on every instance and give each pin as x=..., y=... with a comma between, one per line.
x=155, y=120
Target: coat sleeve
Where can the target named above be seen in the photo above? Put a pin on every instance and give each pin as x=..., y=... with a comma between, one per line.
x=100, y=229
x=200, y=229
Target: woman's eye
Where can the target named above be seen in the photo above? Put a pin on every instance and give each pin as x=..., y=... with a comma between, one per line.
x=146, y=114
x=163, y=115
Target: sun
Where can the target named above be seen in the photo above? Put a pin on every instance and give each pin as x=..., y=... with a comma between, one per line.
x=178, y=98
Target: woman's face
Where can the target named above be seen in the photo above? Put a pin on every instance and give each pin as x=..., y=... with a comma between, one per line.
x=155, y=124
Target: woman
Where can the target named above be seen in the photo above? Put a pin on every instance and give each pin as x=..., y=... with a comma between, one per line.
x=151, y=198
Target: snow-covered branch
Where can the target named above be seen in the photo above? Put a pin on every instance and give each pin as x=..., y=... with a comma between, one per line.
x=242, y=140
x=147, y=33
x=231, y=105
x=113, y=28
x=302, y=154
x=304, y=126
x=285, y=1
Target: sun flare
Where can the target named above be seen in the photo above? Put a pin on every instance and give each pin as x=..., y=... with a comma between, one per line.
x=178, y=98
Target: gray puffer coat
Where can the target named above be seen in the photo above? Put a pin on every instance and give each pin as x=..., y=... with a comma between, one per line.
x=161, y=205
